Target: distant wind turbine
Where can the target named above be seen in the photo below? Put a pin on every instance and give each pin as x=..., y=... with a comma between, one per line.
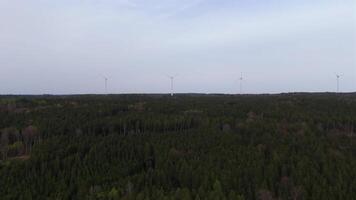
x=106, y=84
x=241, y=79
x=338, y=76
x=172, y=83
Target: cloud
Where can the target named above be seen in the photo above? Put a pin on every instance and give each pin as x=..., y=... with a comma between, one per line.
x=212, y=30
x=68, y=44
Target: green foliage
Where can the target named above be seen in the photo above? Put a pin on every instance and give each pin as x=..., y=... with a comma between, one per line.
x=113, y=194
x=188, y=147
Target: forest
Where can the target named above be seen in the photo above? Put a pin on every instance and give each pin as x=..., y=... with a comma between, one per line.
x=186, y=147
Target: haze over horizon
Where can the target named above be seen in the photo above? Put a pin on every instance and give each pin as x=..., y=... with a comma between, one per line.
x=66, y=47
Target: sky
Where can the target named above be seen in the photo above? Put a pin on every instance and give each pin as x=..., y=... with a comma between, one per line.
x=68, y=46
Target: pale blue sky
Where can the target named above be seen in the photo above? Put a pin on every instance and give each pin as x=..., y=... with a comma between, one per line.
x=66, y=46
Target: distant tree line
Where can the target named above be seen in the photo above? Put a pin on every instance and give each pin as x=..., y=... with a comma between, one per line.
x=189, y=147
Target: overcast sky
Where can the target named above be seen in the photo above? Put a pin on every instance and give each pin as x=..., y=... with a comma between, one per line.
x=67, y=46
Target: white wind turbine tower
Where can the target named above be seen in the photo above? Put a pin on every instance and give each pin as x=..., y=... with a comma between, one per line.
x=338, y=76
x=106, y=84
x=241, y=79
x=172, y=84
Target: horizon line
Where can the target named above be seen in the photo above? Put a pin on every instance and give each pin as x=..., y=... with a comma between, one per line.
x=179, y=93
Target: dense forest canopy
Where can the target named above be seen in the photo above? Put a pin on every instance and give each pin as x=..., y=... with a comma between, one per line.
x=186, y=147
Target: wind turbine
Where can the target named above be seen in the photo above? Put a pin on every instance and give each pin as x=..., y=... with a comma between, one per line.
x=241, y=79
x=106, y=84
x=172, y=83
x=338, y=76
